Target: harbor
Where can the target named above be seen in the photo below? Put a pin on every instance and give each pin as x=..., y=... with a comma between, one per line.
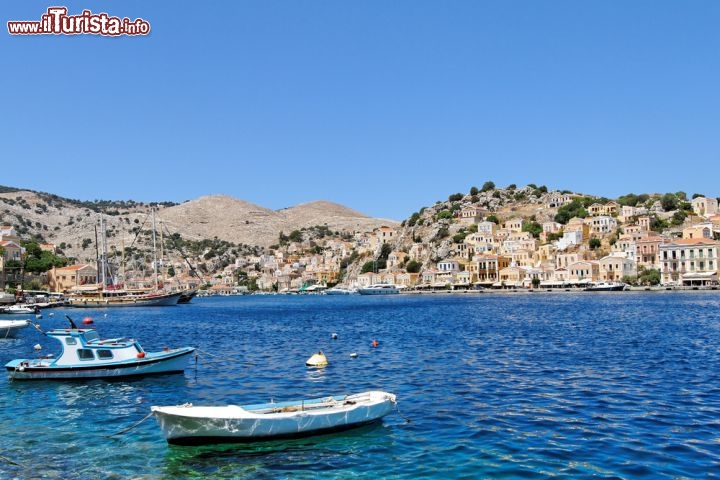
x=488, y=386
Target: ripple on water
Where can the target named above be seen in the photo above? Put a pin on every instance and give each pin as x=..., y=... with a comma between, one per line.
x=493, y=386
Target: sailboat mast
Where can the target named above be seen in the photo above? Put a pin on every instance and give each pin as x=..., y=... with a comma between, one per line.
x=155, y=267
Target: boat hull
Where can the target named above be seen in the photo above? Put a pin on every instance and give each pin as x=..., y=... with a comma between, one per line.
x=189, y=425
x=173, y=361
x=10, y=328
x=606, y=287
x=125, y=301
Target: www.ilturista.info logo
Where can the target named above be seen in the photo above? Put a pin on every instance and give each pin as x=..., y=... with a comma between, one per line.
x=57, y=22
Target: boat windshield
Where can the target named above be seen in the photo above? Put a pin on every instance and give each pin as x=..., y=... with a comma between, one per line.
x=91, y=335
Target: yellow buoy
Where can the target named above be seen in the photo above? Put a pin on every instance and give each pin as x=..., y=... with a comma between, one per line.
x=317, y=360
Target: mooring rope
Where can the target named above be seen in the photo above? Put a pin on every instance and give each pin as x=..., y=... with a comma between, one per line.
x=130, y=427
x=397, y=409
x=12, y=462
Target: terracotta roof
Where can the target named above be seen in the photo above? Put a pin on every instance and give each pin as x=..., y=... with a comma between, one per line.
x=694, y=241
x=71, y=268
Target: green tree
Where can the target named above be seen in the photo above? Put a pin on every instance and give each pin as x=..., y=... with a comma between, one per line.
x=669, y=202
x=443, y=214
x=594, y=243
x=487, y=186
x=534, y=228
x=629, y=200
x=455, y=197
x=678, y=218
x=413, y=266
x=474, y=191
x=648, y=276
x=413, y=219
x=571, y=210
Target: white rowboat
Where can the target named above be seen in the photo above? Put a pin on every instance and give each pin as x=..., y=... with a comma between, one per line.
x=8, y=328
x=200, y=425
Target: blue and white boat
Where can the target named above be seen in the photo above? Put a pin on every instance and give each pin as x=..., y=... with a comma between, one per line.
x=85, y=355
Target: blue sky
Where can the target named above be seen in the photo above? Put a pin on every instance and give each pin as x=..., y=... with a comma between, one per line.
x=382, y=106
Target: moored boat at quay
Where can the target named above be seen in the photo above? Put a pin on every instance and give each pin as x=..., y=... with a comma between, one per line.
x=379, y=289
x=605, y=287
x=122, y=298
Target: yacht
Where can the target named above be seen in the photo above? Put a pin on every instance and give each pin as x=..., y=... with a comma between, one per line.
x=379, y=289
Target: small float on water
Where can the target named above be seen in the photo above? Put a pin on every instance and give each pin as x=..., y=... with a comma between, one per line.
x=85, y=355
x=199, y=425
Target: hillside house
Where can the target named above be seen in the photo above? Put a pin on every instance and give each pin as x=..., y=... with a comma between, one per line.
x=614, y=268
x=704, y=206
x=689, y=261
x=64, y=279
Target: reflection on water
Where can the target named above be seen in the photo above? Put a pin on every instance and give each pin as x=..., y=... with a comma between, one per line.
x=279, y=457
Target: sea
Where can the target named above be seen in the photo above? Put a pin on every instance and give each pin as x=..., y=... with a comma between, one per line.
x=601, y=385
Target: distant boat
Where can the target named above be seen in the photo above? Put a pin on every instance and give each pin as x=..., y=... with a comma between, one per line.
x=16, y=309
x=339, y=291
x=200, y=425
x=121, y=298
x=7, y=298
x=8, y=328
x=86, y=355
x=108, y=293
x=379, y=289
x=605, y=287
x=187, y=296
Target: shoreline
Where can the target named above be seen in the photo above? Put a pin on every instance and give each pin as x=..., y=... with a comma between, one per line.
x=557, y=290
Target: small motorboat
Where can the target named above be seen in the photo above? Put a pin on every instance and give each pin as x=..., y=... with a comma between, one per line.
x=20, y=309
x=201, y=425
x=85, y=355
x=8, y=328
x=605, y=287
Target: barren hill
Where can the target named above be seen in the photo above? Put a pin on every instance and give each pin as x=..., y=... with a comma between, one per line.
x=238, y=221
x=59, y=220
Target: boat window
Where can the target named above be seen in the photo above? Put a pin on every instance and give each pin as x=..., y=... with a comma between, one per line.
x=71, y=341
x=91, y=335
x=85, y=354
x=104, y=354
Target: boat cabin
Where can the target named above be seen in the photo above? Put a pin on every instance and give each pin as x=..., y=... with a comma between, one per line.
x=85, y=345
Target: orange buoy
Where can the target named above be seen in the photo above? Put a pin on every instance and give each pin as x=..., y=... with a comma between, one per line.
x=87, y=321
x=141, y=355
x=374, y=343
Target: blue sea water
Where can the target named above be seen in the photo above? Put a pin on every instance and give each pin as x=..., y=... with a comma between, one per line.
x=527, y=385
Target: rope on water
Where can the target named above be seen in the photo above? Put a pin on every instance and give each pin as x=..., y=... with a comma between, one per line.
x=130, y=427
x=407, y=420
x=12, y=462
x=224, y=357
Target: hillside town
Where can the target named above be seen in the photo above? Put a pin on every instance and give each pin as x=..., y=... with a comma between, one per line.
x=488, y=239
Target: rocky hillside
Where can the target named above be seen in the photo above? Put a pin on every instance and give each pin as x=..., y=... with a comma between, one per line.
x=71, y=224
x=238, y=221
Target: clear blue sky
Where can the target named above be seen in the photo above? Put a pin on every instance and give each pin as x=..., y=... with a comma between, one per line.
x=383, y=106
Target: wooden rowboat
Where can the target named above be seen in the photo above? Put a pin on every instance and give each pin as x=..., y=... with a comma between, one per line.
x=199, y=425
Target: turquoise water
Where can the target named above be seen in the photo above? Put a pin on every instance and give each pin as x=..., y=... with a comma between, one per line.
x=541, y=385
